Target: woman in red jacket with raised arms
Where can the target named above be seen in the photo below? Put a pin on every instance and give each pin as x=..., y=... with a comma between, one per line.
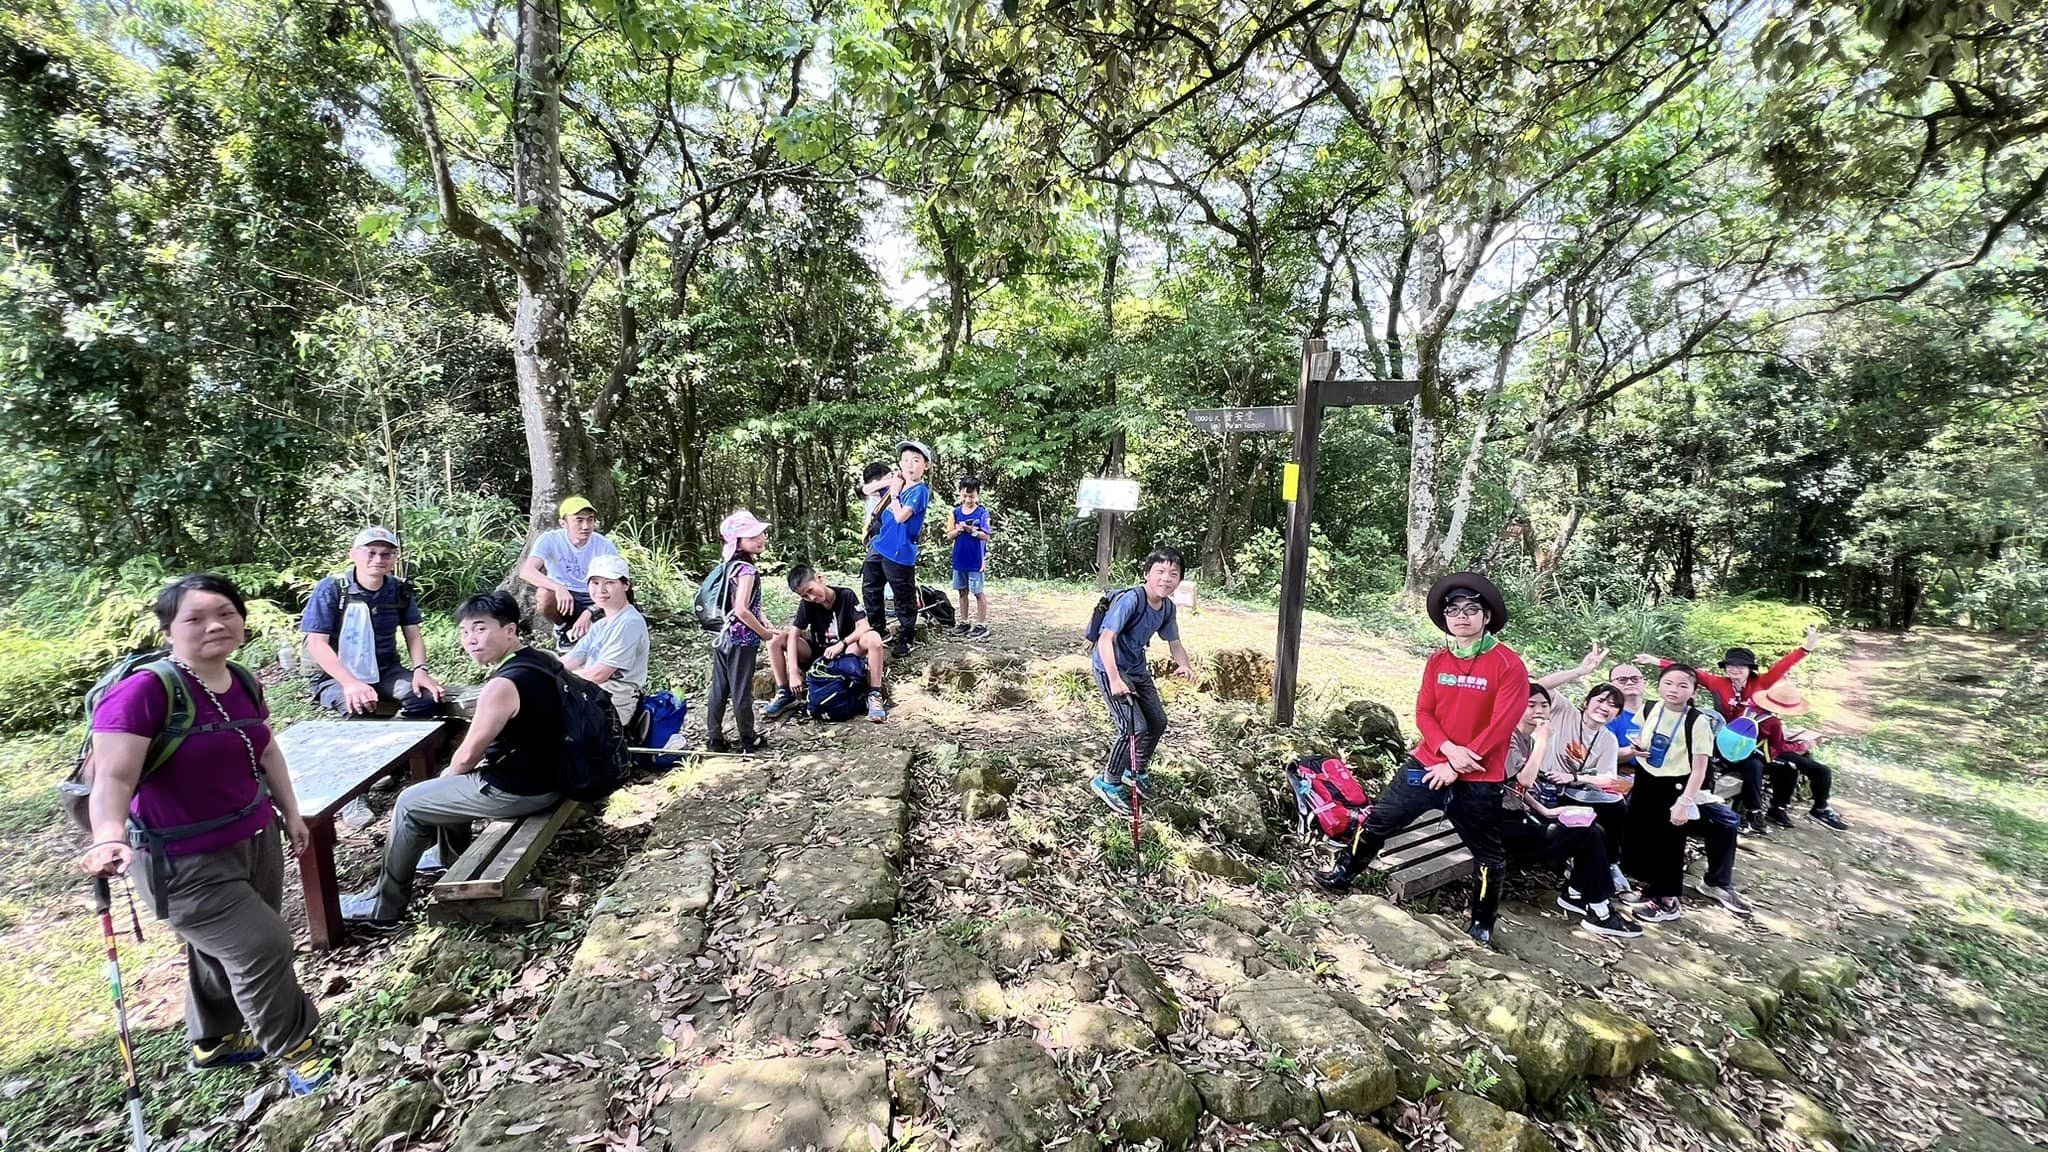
x=1474, y=691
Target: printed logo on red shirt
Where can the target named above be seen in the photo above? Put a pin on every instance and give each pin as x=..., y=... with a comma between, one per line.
x=1453, y=680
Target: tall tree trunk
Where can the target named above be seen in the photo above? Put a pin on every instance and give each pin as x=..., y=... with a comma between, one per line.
x=1112, y=265
x=563, y=457
x=958, y=290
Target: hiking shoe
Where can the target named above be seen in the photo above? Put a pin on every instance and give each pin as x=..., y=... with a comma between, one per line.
x=782, y=702
x=359, y=911
x=231, y=1050
x=1658, y=911
x=1141, y=783
x=899, y=649
x=978, y=632
x=959, y=630
x=1480, y=934
x=1333, y=881
x=1571, y=901
x=1613, y=924
x=717, y=746
x=1829, y=817
x=876, y=712
x=756, y=743
x=1112, y=794
x=1753, y=825
x=307, y=1069
x=1729, y=898
x=1780, y=817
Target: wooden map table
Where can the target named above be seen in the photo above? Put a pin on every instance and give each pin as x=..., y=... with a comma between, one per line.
x=332, y=762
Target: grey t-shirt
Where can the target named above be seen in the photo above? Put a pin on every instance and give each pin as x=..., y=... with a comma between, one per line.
x=620, y=641
x=1134, y=620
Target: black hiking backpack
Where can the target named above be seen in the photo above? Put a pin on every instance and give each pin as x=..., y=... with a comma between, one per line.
x=1109, y=598
x=594, y=760
x=934, y=605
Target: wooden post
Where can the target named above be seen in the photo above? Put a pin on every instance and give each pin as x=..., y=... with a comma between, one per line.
x=1105, y=539
x=1308, y=430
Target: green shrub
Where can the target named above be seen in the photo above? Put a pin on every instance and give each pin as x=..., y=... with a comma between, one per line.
x=61, y=633
x=1770, y=627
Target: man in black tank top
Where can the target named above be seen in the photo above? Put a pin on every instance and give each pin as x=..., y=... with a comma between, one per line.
x=507, y=766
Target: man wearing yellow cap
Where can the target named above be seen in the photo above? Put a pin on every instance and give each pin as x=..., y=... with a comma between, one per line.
x=558, y=567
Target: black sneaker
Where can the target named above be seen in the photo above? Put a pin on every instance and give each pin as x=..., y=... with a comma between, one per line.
x=757, y=744
x=1333, y=881
x=1571, y=901
x=899, y=649
x=1480, y=934
x=1613, y=924
x=1829, y=817
x=717, y=746
x=1753, y=825
x=1780, y=817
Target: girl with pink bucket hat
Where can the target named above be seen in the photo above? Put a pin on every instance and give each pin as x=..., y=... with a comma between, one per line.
x=735, y=647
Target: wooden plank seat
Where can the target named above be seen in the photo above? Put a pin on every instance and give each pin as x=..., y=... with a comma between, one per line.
x=487, y=883
x=1428, y=854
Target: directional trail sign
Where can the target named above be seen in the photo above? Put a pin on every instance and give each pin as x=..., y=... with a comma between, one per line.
x=1275, y=418
x=1319, y=390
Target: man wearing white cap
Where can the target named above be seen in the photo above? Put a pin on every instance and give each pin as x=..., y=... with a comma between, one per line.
x=352, y=623
x=558, y=567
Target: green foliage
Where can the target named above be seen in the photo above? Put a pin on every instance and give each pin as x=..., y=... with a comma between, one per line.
x=1769, y=627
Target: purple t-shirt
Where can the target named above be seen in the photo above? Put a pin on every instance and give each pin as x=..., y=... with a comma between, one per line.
x=738, y=635
x=208, y=777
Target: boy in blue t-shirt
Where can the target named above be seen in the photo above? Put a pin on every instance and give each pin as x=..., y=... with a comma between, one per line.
x=968, y=529
x=892, y=557
x=1125, y=676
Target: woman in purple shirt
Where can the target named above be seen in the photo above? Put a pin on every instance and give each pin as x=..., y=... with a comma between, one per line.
x=204, y=829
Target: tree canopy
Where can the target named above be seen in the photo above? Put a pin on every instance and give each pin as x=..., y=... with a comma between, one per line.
x=1700, y=296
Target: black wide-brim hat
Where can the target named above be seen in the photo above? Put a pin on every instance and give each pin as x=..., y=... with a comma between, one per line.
x=1739, y=657
x=1496, y=605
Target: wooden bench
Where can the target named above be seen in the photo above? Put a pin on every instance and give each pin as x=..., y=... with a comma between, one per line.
x=487, y=884
x=1428, y=854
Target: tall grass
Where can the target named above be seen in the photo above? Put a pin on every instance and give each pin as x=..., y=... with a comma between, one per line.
x=63, y=631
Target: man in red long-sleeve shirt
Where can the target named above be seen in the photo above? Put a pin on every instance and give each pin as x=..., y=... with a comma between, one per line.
x=1474, y=692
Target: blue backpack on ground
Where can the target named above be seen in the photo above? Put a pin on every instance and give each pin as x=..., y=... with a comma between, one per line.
x=836, y=689
x=661, y=717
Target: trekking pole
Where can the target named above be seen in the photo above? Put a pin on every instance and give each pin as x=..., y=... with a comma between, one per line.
x=1137, y=804
x=103, y=901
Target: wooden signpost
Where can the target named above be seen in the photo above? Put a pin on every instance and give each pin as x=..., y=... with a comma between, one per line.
x=1105, y=496
x=1320, y=389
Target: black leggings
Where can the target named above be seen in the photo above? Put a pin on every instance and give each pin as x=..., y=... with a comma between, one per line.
x=1583, y=852
x=1473, y=808
x=1751, y=770
x=1785, y=774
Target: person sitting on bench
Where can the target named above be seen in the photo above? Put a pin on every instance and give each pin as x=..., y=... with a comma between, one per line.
x=358, y=662
x=614, y=652
x=1732, y=689
x=1547, y=755
x=828, y=624
x=506, y=767
x=1791, y=758
x=1474, y=692
x=1669, y=803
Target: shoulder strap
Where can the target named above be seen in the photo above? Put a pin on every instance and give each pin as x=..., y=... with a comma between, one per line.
x=179, y=713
